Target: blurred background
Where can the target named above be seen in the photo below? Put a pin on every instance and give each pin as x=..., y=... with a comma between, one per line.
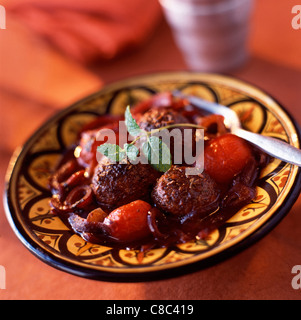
x=54, y=52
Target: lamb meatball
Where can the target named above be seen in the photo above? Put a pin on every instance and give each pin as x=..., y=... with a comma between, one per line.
x=116, y=184
x=160, y=117
x=180, y=194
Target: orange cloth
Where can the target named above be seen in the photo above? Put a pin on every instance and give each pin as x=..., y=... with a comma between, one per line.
x=90, y=29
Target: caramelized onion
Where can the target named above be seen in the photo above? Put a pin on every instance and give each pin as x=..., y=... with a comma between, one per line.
x=63, y=173
x=79, y=177
x=153, y=224
x=238, y=196
x=58, y=206
x=80, y=225
x=79, y=197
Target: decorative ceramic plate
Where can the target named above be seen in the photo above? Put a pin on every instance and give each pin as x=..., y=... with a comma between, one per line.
x=45, y=235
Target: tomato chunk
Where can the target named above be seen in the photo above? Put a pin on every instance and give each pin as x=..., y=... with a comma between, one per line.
x=129, y=222
x=225, y=157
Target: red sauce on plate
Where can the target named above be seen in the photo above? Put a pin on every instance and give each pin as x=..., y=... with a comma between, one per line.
x=135, y=206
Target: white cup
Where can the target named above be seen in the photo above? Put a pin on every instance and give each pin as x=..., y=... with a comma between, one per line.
x=212, y=34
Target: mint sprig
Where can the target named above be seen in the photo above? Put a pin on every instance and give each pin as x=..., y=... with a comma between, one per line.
x=157, y=153
x=112, y=151
x=155, y=150
x=131, y=151
x=131, y=124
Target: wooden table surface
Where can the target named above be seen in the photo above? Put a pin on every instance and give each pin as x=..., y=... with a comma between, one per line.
x=36, y=81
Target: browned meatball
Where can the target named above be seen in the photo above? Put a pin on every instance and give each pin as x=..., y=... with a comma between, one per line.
x=118, y=184
x=179, y=194
x=160, y=117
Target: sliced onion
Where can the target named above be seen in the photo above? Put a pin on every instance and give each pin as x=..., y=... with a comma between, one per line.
x=75, y=179
x=58, y=206
x=83, y=226
x=152, y=224
x=79, y=197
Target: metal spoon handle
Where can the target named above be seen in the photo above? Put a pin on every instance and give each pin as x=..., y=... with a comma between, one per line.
x=272, y=146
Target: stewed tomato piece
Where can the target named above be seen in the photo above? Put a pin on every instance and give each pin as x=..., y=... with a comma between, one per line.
x=225, y=157
x=129, y=222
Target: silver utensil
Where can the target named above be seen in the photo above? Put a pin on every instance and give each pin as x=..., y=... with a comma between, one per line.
x=272, y=146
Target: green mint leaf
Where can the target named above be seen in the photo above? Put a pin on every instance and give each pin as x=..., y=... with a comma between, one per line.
x=112, y=151
x=157, y=153
x=131, y=124
x=131, y=151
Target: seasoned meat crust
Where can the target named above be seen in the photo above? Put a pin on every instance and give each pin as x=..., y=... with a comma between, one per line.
x=179, y=194
x=117, y=184
x=160, y=117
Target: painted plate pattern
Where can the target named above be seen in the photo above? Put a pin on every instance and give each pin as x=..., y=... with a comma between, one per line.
x=49, y=238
